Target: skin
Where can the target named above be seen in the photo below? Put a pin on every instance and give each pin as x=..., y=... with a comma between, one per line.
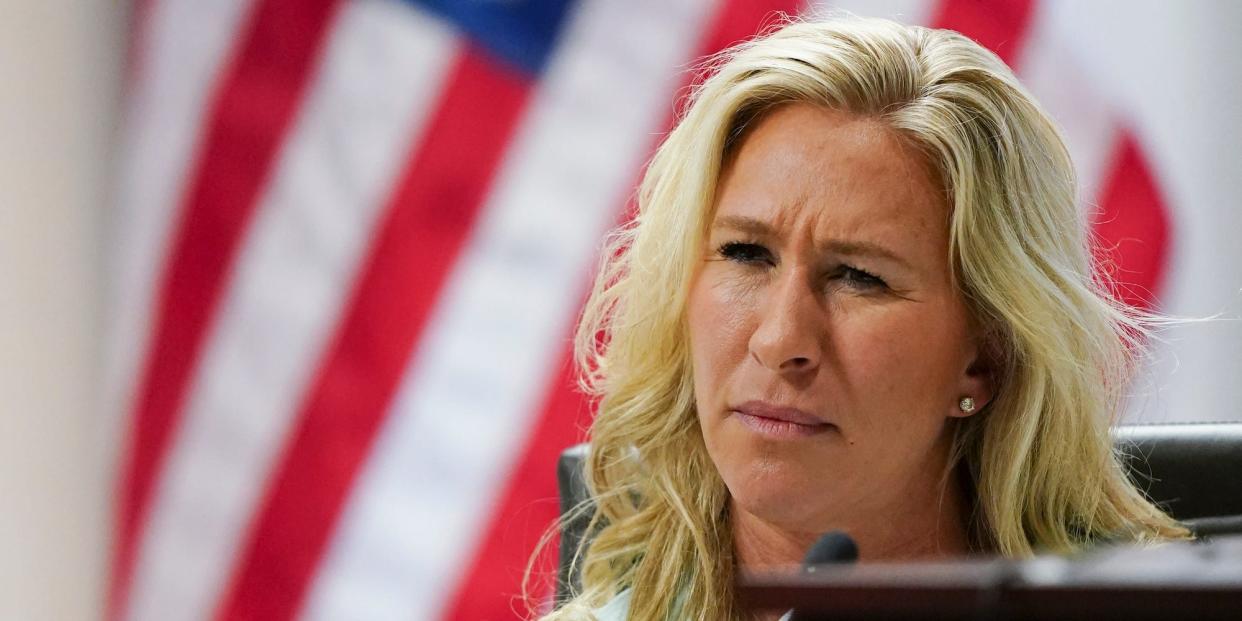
x=825, y=286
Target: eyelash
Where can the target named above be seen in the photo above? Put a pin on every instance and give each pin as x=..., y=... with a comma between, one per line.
x=750, y=253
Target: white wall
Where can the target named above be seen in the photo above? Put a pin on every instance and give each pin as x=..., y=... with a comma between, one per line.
x=59, y=80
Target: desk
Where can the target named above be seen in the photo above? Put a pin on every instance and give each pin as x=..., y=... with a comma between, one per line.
x=1194, y=581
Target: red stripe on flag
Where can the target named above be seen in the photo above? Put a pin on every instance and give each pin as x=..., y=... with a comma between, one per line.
x=254, y=103
x=736, y=21
x=491, y=587
x=1132, y=228
x=528, y=504
x=428, y=221
x=999, y=25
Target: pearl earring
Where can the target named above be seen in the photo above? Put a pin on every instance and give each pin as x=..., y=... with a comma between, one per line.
x=966, y=405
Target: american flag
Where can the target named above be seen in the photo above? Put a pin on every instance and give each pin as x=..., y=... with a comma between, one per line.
x=351, y=239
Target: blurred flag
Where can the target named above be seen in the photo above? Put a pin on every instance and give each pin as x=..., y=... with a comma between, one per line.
x=350, y=242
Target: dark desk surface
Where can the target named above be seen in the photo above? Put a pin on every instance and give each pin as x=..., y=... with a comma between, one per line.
x=1200, y=580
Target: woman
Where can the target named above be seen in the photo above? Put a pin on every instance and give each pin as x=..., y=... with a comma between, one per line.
x=857, y=296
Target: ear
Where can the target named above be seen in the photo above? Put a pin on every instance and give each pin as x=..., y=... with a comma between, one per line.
x=978, y=378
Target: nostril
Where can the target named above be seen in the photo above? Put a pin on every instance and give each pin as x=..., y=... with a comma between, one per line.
x=797, y=363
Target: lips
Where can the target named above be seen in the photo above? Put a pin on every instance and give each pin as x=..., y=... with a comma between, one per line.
x=778, y=421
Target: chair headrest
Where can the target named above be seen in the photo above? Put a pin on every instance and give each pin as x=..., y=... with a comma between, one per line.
x=1193, y=470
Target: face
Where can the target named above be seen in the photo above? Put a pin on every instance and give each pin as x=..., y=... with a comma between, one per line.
x=829, y=343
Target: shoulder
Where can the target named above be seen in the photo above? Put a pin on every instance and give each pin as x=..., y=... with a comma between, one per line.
x=617, y=609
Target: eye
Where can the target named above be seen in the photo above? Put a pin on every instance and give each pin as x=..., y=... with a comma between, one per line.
x=746, y=252
x=859, y=279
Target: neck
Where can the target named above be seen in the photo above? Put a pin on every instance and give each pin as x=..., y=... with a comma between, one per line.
x=928, y=528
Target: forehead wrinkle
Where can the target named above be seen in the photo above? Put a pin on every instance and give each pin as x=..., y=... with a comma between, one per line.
x=843, y=245
x=799, y=187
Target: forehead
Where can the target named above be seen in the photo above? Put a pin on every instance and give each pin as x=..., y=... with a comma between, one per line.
x=840, y=174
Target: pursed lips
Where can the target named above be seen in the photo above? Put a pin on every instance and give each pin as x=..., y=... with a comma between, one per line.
x=780, y=421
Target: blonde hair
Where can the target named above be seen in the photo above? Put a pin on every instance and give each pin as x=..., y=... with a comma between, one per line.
x=1039, y=457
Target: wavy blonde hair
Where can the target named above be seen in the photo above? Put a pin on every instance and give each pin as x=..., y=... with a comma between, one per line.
x=1039, y=459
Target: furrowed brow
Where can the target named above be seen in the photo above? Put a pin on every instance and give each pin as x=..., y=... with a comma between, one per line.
x=743, y=224
x=864, y=249
x=845, y=247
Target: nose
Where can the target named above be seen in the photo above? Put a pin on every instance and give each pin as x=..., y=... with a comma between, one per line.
x=790, y=335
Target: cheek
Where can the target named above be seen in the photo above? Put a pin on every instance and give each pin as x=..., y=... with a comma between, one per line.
x=719, y=321
x=907, y=353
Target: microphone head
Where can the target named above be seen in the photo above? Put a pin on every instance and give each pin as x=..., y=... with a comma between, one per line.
x=833, y=547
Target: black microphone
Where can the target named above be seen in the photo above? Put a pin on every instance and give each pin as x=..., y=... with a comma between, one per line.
x=832, y=548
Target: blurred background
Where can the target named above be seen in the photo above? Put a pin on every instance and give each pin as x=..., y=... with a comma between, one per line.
x=288, y=284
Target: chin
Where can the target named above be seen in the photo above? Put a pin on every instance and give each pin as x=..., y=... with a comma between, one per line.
x=782, y=494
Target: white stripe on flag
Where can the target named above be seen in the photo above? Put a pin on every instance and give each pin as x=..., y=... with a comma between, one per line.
x=1049, y=69
x=186, y=45
x=465, y=406
x=917, y=12
x=371, y=98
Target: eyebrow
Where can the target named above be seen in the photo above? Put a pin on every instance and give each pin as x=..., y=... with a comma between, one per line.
x=759, y=228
